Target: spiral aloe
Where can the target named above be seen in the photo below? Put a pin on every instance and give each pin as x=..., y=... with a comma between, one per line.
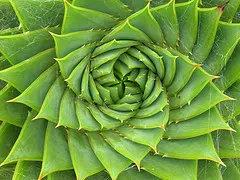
x=119, y=89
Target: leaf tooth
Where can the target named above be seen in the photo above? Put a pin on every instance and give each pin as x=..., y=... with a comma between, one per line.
x=221, y=7
x=163, y=127
x=155, y=148
x=165, y=155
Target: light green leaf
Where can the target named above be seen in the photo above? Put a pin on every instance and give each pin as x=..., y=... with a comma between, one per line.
x=200, y=147
x=8, y=136
x=227, y=37
x=150, y=27
x=34, y=98
x=89, y=19
x=6, y=108
x=169, y=168
x=27, y=170
x=16, y=48
x=51, y=104
x=114, y=162
x=208, y=170
x=30, y=143
x=187, y=14
x=66, y=43
x=131, y=150
x=84, y=160
x=56, y=155
x=70, y=61
x=209, y=97
x=167, y=20
x=67, y=113
x=38, y=14
x=23, y=74
x=149, y=137
x=111, y=7
x=127, y=32
x=207, y=28
x=206, y=122
x=133, y=174
x=85, y=118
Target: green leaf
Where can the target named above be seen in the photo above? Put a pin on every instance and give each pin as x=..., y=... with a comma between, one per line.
x=170, y=27
x=133, y=174
x=51, y=104
x=76, y=77
x=209, y=96
x=154, y=108
x=114, y=44
x=208, y=170
x=30, y=143
x=148, y=137
x=8, y=136
x=158, y=120
x=84, y=160
x=156, y=91
x=155, y=58
x=111, y=7
x=62, y=175
x=85, y=118
x=8, y=16
x=23, y=74
x=103, y=58
x=17, y=48
x=94, y=91
x=149, y=86
x=131, y=62
x=104, y=93
x=228, y=142
x=105, y=121
x=225, y=42
x=131, y=150
x=55, y=143
x=230, y=10
x=6, y=172
x=66, y=43
x=38, y=14
x=6, y=108
x=103, y=175
x=231, y=172
x=67, y=113
x=184, y=70
x=141, y=57
x=230, y=109
x=187, y=15
x=27, y=170
x=114, y=162
x=169, y=62
x=34, y=98
x=194, y=86
x=231, y=72
x=122, y=116
x=150, y=27
x=207, y=28
x=68, y=63
x=127, y=32
x=200, y=147
x=169, y=168
x=89, y=19
x=206, y=122
x=135, y=5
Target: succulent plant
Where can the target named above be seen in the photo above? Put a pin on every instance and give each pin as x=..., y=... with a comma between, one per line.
x=119, y=89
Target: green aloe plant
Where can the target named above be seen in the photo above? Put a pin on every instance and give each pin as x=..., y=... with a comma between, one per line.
x=119, y=89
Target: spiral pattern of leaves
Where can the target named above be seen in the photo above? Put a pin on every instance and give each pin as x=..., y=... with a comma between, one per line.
x=132, y=88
